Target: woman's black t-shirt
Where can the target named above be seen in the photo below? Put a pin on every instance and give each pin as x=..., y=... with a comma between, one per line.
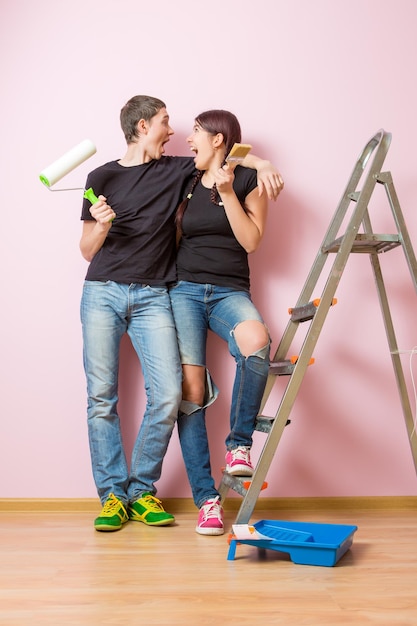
x=208, y=251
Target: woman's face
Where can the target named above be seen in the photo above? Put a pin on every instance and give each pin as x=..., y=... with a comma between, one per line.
x=205, y=146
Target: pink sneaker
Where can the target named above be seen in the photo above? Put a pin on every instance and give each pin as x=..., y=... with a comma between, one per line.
x=238, y=462
x=210, y=518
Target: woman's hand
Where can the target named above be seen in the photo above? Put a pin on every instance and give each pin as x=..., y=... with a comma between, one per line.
x=224, y=178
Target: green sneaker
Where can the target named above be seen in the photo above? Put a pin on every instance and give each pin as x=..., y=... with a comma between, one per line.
x=113, y=515
x=149, y=510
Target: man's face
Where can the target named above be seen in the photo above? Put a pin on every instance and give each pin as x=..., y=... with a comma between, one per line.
x=159, y=132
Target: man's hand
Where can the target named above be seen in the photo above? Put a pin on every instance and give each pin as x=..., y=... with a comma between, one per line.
x=102, y=212
x=270, y=181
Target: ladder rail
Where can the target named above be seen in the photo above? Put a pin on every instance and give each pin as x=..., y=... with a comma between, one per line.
x=395, y=356
x=386, y=309
x=386, y=179
x=293, y=386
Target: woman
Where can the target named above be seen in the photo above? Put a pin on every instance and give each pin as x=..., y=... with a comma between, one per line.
x=220, y=222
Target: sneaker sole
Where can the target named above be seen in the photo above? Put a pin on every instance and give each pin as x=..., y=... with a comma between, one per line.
x=240, y=470
x=104, y=527
x=209, y=531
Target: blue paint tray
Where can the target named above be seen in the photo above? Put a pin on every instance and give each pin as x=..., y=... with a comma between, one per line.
x=307, y=543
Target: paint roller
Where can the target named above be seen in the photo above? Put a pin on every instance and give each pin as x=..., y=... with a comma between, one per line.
x=65, y=164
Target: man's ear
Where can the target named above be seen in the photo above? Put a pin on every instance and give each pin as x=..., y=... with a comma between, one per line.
x=142, y=127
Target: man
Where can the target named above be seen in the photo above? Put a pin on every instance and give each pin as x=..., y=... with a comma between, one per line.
x=129, y=239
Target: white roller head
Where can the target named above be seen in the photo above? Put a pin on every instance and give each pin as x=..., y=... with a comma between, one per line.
x=69, y=161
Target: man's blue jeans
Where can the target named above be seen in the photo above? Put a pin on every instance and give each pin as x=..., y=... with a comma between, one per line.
x=108, y=310
x=198, y=308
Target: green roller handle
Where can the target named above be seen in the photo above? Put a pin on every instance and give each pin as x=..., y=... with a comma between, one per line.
x=90, y=195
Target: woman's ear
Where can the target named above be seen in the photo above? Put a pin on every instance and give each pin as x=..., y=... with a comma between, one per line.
x=218, y=139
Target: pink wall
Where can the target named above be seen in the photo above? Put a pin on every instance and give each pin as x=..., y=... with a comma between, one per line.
x=310, y=81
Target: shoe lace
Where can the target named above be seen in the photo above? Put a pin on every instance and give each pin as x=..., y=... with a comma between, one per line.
x=241, y=454
x=153, y=503
x=112, y=505
x=212, y=509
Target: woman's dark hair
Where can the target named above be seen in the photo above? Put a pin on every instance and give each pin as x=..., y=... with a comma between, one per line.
x=213, y=122
x=224, y=122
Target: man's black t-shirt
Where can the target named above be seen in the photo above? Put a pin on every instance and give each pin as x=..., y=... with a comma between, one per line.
x=140, y=246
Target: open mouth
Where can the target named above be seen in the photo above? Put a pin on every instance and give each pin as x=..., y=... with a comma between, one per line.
x=163, y=145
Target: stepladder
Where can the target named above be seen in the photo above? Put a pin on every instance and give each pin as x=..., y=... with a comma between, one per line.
x=350, y=232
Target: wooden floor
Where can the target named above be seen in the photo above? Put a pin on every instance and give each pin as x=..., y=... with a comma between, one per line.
x=56, y=570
